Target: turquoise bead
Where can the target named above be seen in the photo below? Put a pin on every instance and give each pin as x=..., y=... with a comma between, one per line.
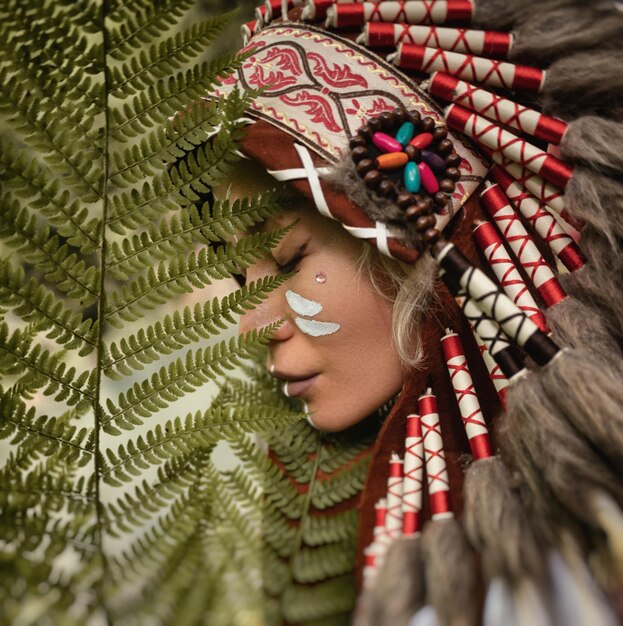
x=412, y=177
x=405, y=133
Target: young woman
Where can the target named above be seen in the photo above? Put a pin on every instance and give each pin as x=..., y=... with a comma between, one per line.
x=363, y=325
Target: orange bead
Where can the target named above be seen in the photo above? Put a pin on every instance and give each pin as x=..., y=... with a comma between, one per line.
x=391, y=160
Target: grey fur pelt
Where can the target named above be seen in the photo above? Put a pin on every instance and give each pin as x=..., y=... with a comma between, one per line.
x=498, y=524
x=596, y=142
x=504, y=14
x=548, y=450
x=398, y=589
x=452, y=582
x=584, y=83
x=552, y=32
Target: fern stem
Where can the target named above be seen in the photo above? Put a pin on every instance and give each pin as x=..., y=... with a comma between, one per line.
x=102, y=584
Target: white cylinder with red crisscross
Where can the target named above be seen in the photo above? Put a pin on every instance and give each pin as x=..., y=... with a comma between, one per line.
x=345, y=15
x=488, y=43
x=496, y=108
x=496, y=376
x=393, y=519
x=544, y=224
x=248, y=30
x=371, y=563
x=468, y=67
x=413, y=479
x=515, y=148
x=507, y=273
x=380, y=520
x=435, y=458
x=274, y=8
x=522, y=244
x=466, y=396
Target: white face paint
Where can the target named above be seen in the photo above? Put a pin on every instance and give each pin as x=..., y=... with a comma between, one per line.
x=316, y=329
x=302, y=306
x=309, y=308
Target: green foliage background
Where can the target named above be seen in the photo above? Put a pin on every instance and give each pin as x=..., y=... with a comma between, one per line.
x=122, y=377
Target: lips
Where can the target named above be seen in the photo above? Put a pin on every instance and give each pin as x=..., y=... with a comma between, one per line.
x=294, y=388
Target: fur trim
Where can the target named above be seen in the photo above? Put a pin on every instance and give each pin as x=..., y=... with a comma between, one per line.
x=583, y=83
x=594, y=141
x=556, y=461
x=450, y=571
x=398, y=591
x=504, y=14
x=554, y=32
x=498, y=525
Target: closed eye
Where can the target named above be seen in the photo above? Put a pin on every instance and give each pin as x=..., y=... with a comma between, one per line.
x=292, y=263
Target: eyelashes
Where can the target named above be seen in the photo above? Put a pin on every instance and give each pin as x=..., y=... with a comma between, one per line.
x=292, y=263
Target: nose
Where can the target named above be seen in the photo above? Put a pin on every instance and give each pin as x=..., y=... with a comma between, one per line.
x=269, y=311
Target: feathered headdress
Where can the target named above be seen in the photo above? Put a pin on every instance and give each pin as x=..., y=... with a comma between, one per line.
x=394, y=117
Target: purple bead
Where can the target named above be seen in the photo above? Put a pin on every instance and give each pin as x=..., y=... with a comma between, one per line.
x=385, y=143
x=434, y=161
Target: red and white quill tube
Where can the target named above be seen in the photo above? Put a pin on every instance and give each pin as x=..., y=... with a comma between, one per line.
x=487, y=43
x=522, y=244
x=548, y=228
x=274, y=8
x=412, y=482
x=515, y=148
x=547, y=194
x=496, y=108
x=435, y=458
x=248, y=30
x=370, y=564
x=496, y=376
x=409, y=12
x=468, y=67
x=466, y=396
x=393, y=519
x=463, y=278
x=507, y=273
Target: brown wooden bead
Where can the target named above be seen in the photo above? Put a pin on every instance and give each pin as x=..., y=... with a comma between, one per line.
x=453, y=160
x=357, y=142
x=365, y=132
x=365, y=166
x=431, y=236
x=359, y=153
x=374, y=124
x=428, y=124
x=387, y=120
x=441, y=132
x=400, y=116
x=373, y=178
x=445, y=147
x=419, y=209
x=424, y=223
x=387, y=188
x=416, y=117
x=453, y=173
x=414, y=154
x=440, y=199
x=447, y=185
x=404, y=200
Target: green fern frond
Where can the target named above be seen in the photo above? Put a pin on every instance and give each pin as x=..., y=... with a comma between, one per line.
x=26, y=178
x=310, y=565
x=34, y=303
x=320, y=530
x=172, y=382
x=162, y=59
x=39, y=248
x=182, y=329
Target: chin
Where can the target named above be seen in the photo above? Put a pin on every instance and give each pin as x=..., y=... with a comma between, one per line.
x=334, y=421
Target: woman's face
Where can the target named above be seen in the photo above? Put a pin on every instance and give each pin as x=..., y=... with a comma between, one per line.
x=335, y=350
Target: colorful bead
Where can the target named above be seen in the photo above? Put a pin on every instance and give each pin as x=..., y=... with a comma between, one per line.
x=405, y=133
x=385, y=143
x=428, y=178
x=412, y=177
x=321, y=278
x=392, y=160
x=421, y=141
x=434, y=161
